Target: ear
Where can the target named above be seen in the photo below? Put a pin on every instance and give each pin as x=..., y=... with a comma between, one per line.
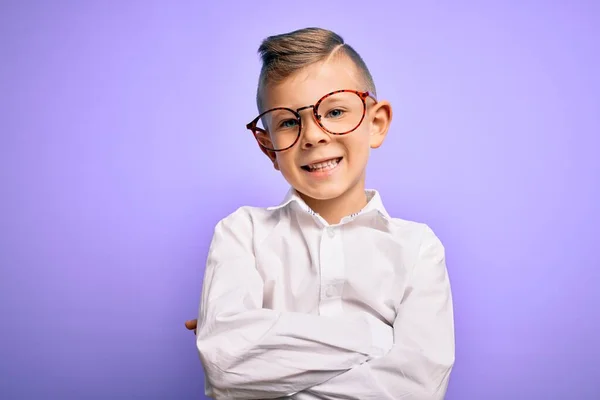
x=381, y=118
x=273, y=157
x=266, y=141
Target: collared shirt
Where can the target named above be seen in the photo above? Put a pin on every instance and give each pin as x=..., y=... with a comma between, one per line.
x=293, y=307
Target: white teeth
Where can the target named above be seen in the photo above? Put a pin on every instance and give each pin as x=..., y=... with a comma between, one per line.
x=324, y=166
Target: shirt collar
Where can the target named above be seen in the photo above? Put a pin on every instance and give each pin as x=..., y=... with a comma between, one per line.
x=374, y=204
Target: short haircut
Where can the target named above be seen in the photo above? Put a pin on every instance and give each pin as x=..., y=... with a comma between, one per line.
x=284, y=54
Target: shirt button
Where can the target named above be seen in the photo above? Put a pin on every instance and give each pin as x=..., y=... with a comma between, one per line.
x=331, y=232
x=331, y=291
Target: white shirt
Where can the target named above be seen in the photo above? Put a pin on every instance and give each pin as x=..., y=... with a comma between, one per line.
x=293, y=307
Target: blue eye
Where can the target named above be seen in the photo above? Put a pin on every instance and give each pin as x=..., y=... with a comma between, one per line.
x=335, y=113
x=288, y=123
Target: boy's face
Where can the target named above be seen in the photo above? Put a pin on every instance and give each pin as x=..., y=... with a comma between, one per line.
x=348, y=154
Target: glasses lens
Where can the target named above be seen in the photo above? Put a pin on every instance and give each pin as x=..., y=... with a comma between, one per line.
x=341, y=112
x=281, y=127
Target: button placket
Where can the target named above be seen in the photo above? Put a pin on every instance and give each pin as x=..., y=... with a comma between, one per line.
x=332, y=271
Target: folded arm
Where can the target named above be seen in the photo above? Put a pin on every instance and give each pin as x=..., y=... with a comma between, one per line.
x=249, y=352
x=419, y=364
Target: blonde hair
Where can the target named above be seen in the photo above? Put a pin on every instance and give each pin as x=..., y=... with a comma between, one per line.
x=284, y=54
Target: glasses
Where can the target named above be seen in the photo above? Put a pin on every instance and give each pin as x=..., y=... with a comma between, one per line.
x=337, y=113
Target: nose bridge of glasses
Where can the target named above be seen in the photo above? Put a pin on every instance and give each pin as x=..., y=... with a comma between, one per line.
x=311, y=108
x=313, y=113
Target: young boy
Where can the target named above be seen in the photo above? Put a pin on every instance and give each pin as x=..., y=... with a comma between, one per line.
x=325, y=296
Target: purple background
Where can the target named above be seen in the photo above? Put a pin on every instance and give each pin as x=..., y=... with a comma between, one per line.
x=123, y=143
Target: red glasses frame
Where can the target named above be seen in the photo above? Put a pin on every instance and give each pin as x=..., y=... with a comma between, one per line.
x=256, y=130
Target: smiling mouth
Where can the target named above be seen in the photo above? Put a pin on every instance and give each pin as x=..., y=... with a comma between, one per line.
x=322, y=166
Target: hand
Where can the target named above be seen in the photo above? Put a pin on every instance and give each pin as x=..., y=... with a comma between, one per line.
x=191, y=325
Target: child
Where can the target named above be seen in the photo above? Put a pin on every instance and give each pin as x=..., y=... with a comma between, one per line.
x=325, y=296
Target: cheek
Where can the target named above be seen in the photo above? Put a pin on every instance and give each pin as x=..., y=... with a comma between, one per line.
x=285, y=162
x=359, y=158
x=358, y=147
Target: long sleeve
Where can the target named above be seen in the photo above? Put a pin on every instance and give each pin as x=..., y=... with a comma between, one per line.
x=419, y=364
x=249, y=352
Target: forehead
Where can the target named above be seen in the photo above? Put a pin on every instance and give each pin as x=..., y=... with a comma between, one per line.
x=309, y=84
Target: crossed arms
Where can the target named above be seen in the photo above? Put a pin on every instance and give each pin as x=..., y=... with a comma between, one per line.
x=253, y=353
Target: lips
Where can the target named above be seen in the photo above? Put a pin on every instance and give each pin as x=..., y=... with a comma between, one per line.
x=322, y=165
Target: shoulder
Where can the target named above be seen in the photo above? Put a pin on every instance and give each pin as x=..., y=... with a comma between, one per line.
x=245, y=221
x=419, y=236
x=235, y=235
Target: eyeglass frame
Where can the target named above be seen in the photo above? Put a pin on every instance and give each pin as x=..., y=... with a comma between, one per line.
x=362, y=95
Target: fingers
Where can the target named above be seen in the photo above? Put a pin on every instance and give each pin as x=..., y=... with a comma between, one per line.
x=191, y=324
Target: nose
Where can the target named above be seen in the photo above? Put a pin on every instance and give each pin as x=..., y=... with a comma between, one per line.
x=312, y=134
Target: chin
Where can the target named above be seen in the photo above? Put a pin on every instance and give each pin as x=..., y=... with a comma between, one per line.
x=321, y=187
x=323, y=193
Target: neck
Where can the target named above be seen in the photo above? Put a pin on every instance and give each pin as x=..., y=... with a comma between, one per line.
x=333, y=210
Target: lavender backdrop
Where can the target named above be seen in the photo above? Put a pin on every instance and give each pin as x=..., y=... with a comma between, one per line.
x=123, y=142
